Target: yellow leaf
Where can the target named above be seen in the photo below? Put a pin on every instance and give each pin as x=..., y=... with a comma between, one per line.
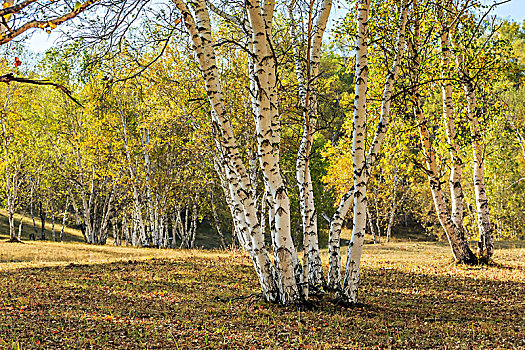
x=52, y=25
x=77, y=5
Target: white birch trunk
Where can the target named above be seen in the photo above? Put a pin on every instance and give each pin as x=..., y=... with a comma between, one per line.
x=351, y=279
x=134, y=236
x=395, y=204
x=455, y=235
x=362, y=166
x=456, y=171
x=312, y=265
x=78, y=218
x=20, y=227
x=334, y=241
x=234, y=170
x=64, y=218
x=486, y=240
x=285, y=257
x=371, y=226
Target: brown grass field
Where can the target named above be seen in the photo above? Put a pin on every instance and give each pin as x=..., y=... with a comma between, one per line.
x=71, y=295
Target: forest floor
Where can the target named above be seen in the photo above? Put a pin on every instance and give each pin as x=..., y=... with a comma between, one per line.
x=71, y=295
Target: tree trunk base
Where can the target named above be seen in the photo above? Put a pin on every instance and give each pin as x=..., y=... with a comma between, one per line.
x=471, y=261
x=14, y=240
x=316, y=291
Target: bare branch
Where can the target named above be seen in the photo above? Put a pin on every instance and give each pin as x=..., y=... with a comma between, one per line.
x=8, y=78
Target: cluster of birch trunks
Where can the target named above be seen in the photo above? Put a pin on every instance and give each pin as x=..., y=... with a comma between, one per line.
x=286, y=279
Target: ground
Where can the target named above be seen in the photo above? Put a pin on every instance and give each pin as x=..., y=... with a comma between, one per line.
x=71, y=295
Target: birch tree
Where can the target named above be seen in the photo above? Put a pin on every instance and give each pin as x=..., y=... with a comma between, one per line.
x=363, y=161
x=468, y=72
x=308, y=85
x=455, y=233
x=262, y=69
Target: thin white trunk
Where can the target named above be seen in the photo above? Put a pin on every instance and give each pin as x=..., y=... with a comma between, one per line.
x=456, y=171
x=194, y=223
x=307, y=87
x=134, y=236
x=20, y=226
x=265, y=113
x=334, y=241
x=455, y=235
x=78, y=218
x=150, y=210
x=351, y=279
x=64, y=218
x=371, y=226
x=125, y=226
x=362, y=166
x=486, y=240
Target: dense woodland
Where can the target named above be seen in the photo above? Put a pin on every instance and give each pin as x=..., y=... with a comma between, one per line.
x=154, y=121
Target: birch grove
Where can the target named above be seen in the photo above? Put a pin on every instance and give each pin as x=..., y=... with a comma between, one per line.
x=219, y=124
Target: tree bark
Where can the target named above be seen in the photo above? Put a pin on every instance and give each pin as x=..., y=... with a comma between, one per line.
x=307, y=87
x=456, y=171
x=64, y=219
x=334, y=241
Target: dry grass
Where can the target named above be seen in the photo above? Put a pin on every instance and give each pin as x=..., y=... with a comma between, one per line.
x=413, y=298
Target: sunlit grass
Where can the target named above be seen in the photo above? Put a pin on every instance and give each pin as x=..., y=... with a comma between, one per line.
x=70, y=234
x=43, y=253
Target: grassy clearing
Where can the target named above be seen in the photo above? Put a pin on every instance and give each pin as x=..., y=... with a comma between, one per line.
x=413, y=298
